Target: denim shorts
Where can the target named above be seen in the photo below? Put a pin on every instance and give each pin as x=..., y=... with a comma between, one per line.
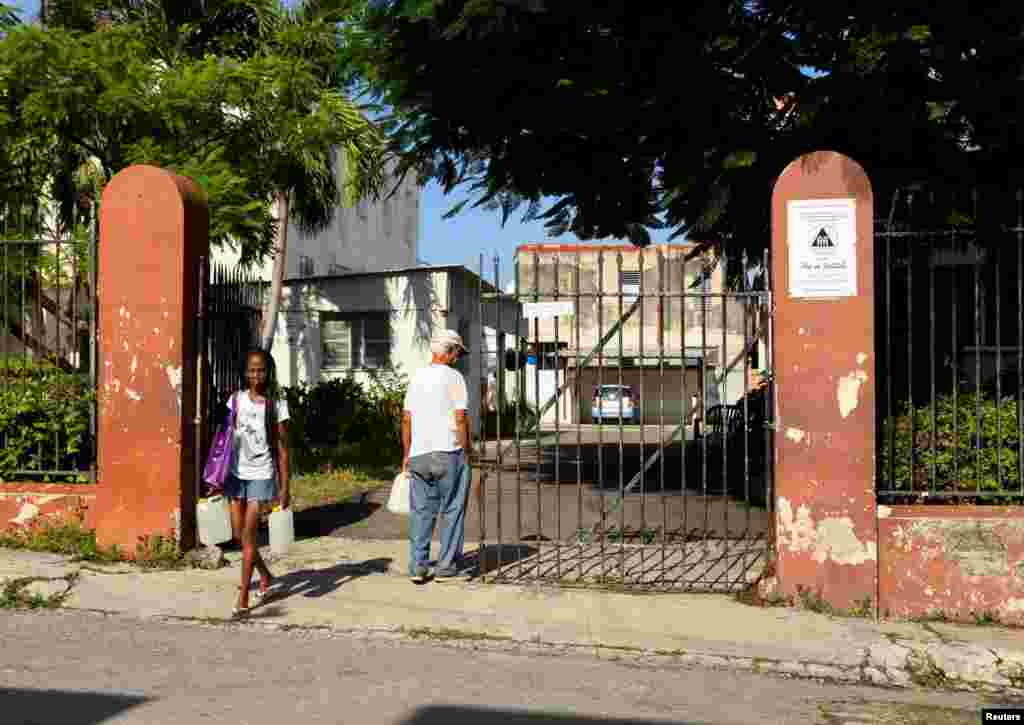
x=257, y=489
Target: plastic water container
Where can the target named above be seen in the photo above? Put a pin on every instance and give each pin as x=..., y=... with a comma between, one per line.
x=282, y=530
x=214, y=520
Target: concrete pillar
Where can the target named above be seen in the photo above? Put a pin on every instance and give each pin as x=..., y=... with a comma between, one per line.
x=153, y=230
x=823, y=279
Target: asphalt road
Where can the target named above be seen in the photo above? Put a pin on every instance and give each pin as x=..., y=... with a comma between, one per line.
x=74, y=668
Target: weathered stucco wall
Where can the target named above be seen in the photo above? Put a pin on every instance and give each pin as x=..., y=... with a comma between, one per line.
x=962, y=562
x=21, y=504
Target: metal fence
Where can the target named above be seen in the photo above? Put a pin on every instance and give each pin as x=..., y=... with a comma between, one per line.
x=230, y=314
x=48, y=359
x=626, y=420
x=950, y=331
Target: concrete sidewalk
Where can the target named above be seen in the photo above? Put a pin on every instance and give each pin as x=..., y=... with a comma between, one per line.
x=359, y=588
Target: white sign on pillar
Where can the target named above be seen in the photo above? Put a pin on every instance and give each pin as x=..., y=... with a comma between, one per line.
x=822, y=241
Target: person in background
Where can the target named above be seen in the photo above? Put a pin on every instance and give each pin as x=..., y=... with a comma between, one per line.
x=259, y=467
x=437, y=450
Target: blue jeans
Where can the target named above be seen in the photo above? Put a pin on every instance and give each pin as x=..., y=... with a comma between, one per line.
x=438, y=483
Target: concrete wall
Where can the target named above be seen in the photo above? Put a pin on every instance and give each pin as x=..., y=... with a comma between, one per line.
x=23, y=503
x=370, y=237
x=961, y=562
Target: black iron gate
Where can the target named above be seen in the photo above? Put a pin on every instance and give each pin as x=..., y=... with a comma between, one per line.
x=229, y=320
x=625, y=420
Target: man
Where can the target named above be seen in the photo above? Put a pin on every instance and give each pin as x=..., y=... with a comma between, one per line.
x=437, y=449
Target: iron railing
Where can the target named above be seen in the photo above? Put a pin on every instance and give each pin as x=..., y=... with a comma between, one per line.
x=230, y=314
x=48, y=367
x=950, y=347
x=580, y=490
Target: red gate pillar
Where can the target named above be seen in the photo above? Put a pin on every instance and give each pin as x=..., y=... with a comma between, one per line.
x=153, y=230
x=824, y=348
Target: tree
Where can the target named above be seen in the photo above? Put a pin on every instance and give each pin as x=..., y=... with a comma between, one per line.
x=244, y=107
x=684, y=113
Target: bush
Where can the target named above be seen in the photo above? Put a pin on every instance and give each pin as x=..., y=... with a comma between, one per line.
x=340, y=422
x=44, y=418
x=959, y=462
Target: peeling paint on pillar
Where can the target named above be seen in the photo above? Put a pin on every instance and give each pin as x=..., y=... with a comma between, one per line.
x=825, y=402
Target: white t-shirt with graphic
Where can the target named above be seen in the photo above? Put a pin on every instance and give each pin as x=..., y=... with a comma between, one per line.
x=434, y=394
x=252, y=459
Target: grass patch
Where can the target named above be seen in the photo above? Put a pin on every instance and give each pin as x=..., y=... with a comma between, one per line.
x=14, y=594
x=159, y=552
x=338, y=484
x=67, y=536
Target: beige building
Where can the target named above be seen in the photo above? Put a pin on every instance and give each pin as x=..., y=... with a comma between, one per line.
x=684, y=336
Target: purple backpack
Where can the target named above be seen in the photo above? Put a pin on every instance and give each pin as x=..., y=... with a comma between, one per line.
x=218, y=463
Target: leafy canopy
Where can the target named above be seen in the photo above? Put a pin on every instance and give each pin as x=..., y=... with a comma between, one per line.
x=241, y=96
x=684, y=114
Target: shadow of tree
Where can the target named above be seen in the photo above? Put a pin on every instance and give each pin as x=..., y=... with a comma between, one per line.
x=26, y=707
x=323, y=520
x=459, y=715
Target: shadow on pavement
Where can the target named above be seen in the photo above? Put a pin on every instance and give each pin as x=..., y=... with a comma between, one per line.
x=314, y=583
x=455, y=715
x=38, y=707
x=497, y=556
x=322, y=520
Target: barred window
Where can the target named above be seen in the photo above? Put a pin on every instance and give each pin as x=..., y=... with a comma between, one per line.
x=356, y=340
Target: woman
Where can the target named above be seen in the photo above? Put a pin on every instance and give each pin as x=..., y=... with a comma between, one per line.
x=259, y=467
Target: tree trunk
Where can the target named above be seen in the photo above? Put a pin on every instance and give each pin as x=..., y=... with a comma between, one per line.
x=277, y=273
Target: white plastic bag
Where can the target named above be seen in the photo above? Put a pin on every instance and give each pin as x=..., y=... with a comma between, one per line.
x=398, y=502
x=282, y=530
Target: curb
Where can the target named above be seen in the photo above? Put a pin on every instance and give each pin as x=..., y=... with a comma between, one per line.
x=953, y=666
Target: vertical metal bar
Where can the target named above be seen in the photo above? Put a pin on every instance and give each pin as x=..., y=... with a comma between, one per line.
x=704, y=397
x=622, y=451
x=5, y=329
x=577, y=344
x=726, y=405
x=769, y=398
x=748, y=342
x=482, y=375
x=499, y=385
x=978, y=301
x=931, y=360
x=686, y=409
x=1020, y=340
x=520, y=400
x=910, y=347
x=558, y=431
x=637, y=410
x=202, y=274
x=538, y=357
x=602, y=526
x=890, y=410
x=661, y=413
x=56, y=320
x=956, y=373
x=999, y=367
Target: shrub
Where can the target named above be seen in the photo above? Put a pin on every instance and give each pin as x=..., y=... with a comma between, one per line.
x=341, y=422
x=959, y=462
x=44, y=417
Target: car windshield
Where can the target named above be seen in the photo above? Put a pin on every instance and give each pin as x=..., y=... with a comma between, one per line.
x=613, y=393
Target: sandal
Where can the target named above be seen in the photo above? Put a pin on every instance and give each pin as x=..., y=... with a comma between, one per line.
x=262, y=595
x=239, y=612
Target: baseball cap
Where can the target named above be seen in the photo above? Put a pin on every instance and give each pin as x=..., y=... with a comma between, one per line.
x=446, y=339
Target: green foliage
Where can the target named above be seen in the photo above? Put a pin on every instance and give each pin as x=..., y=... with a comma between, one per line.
x=44, y=417
x=238, y=94
x=341, y=422
x=972, y=446
x=65, y=535
x=158, y=552
x=592, y=117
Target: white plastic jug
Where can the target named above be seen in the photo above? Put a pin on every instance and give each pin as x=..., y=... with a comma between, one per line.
x=282, y=530
x=214, y=520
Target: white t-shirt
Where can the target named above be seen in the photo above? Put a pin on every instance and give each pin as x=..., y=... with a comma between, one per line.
x=434, y=394
x=252, y=459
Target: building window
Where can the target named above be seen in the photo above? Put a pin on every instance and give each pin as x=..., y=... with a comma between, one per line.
x=356, y=340
x=306, y=266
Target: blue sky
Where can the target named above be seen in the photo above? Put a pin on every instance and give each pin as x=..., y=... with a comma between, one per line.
x=462, y=239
